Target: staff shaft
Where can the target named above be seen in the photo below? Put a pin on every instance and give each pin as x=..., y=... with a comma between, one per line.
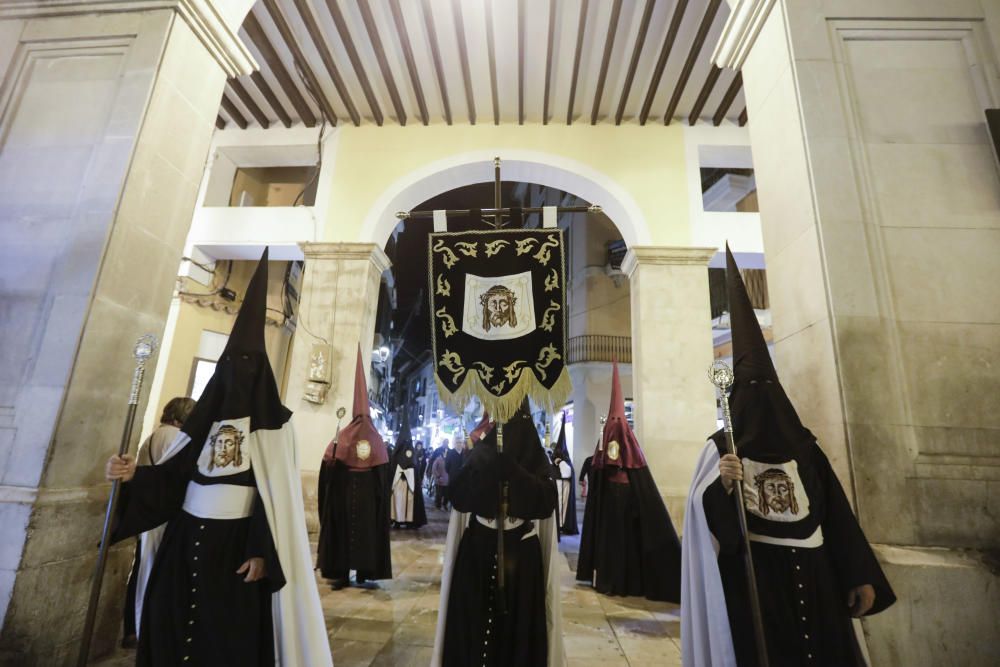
x=102, y=554
x=755, y=612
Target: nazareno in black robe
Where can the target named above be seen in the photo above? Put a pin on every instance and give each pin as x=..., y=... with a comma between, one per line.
x=803, y=591
x=477, y=633
x=560, y=454
x=404, y=458
x=628, y=545
x=198, y=610
x=354, y=487
x=354, y=513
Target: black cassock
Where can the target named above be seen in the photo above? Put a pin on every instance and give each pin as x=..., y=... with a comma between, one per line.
x=354, y=513
x=476, y=632
x=628, y=545
x=197, y=609
x=803, y=591
x=406, y=502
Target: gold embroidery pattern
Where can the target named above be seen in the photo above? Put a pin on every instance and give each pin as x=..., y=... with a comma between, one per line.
x=546, y=356
x=485, y=371
x=525, y=245
x=493, y=247
x=467, y=248
x=448, y=327
x=544, y=255
x=449, y=257
x=552, y=281
x=513, y=370
x=453, y=363
x=498, y=387
x=548, y=318
x=444, y=287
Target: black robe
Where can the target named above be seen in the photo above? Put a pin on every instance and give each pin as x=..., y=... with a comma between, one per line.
x=401, y=460
x=476, y=632
x=354, y=521
x=569, y=523
x=197, y=609
x=803, y=591
x=628, y=545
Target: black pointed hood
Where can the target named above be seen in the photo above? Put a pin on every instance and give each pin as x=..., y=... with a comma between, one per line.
x=520, y=440
x=765, y=424
x=243, y=384
x=403, y=454
x=561, y=451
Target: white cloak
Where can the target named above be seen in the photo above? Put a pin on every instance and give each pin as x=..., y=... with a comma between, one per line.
x=706, y=639
x=553, y=601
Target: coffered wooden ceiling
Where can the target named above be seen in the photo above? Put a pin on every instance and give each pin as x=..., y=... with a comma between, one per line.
x=483, y=61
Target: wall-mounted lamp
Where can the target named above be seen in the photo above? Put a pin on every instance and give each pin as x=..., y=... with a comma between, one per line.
x=318, y=380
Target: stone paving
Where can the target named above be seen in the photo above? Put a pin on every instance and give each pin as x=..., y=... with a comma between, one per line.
x=394, y=624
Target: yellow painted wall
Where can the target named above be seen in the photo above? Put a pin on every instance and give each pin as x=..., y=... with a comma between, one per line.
x=646, y=161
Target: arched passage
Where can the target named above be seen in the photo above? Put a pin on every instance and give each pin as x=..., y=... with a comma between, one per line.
x=517, y=165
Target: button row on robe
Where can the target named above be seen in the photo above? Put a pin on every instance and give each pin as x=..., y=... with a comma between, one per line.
x=194, y=590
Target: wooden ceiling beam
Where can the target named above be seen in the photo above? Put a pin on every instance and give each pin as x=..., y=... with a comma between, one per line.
x=233, y=112
x=352, y=55
x=219, y=123
x=306, y=15
x=640, y=42
x=383, y=62
x=249, y=103
x=706, y=90
x=661, y=62
x=609, y=46
x=692, y=59
x=548, y=61
x=580, y=32
x=491, y=48
x=411, y=64
x=463, y=55
x=520, y=62
x=257, y=35
x=272, y=99
x=436, y=57
x=742, y=120
x=727, y=99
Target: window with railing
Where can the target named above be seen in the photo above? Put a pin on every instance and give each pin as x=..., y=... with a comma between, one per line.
x=599, y=348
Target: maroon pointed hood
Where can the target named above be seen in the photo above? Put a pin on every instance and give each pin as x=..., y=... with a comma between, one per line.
x=359, y=445
x=482, y=428
x=619, y=446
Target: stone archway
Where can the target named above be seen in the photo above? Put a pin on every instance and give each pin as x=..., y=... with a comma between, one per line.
x=518, y=165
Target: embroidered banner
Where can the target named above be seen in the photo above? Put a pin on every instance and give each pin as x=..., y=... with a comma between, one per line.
x=498, y=311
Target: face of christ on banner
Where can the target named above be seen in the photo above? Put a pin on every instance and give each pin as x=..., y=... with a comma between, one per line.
x=499, y=308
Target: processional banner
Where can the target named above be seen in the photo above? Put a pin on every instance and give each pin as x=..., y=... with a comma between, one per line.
x=498, y=318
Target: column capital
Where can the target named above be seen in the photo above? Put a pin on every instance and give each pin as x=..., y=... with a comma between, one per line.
x=745, y=21
x=347, y=250
x=216, y=23
x=646, y=255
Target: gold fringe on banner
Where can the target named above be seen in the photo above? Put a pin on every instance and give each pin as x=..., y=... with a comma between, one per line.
x=502, y=408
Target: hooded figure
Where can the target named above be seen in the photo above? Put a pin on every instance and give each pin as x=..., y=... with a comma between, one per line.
x=565, y=483
x=628, y=545
x=811, y=558
x=407, y=505
x=472, y=628
x=354, y=498
x=232, y=580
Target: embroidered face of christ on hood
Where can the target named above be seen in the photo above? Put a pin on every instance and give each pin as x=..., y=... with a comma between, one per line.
x=226, y=445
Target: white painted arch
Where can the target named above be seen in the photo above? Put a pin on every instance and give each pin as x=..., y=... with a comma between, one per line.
x=517, y=165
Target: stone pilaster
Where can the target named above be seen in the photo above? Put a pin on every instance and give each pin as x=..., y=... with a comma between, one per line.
x=339, y=300
x=107, y=113
x=671, y=353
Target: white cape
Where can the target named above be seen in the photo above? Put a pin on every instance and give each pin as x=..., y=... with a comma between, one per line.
x=706, y=639
x=300, y=637
x=553, y=601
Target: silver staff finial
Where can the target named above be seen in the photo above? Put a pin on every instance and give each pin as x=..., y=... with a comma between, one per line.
x=144, y=348
x=721, y=375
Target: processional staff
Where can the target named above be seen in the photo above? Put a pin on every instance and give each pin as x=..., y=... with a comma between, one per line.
x=144, y=348
x=722, y=377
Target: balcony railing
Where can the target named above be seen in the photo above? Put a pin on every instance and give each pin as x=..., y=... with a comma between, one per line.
x=599, y=348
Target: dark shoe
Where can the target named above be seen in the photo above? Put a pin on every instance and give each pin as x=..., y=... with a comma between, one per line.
x=338, y=584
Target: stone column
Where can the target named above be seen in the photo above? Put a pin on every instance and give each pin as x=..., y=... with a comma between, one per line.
x=106, y=112
x=339, y=300
x=880, y=207
x=671, y=353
